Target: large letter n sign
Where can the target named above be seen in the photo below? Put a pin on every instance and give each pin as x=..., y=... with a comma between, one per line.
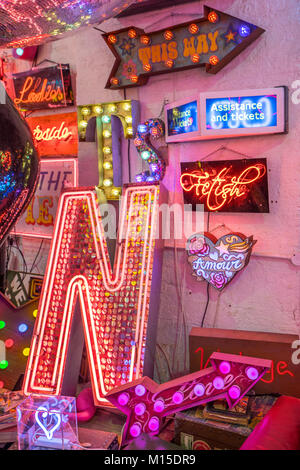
x=114, y=304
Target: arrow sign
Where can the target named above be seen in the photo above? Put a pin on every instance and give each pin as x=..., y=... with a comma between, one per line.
x=146, y=403
x=213, y=41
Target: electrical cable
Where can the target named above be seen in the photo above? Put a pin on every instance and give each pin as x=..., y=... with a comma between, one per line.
x=36, y=257
x=208, y=285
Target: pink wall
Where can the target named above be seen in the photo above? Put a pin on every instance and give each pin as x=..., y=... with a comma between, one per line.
x=265, y=296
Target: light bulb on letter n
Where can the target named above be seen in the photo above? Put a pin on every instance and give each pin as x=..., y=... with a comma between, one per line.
x=115, y=304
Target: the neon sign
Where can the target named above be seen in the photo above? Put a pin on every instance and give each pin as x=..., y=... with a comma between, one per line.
x=48, y=87
x=104, y=123
x=55, y=174
x=211, y=41
x=218, y=261
x=114, y=303
x=226, y=186
x=154, y=128
x=183, y=119
x=146, y=403
x=55, y=134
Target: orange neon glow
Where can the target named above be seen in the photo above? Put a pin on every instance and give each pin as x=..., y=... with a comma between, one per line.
x=114, y=303
x=52, y=133
x=47, y=93
x=220, y=189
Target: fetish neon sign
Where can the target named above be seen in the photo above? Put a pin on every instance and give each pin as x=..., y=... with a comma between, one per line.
x=146, y=403
x=224, y=185
x=114, y=303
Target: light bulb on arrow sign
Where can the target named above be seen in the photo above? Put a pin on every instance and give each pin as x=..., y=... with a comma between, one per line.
x=146, y=403
x=212, y=41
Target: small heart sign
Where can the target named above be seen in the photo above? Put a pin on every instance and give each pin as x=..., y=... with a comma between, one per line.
x=218, y=261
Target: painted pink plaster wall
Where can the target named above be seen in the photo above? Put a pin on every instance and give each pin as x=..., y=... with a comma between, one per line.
x=265, y=296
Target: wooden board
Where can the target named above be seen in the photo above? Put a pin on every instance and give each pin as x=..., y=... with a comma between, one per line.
x=284, y=377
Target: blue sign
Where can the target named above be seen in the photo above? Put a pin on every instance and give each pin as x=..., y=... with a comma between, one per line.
x=183, y=119
x=241, y=112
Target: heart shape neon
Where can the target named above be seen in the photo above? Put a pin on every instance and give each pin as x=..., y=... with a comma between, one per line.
x=19, y=165
x=45, y=413
x=218, y=261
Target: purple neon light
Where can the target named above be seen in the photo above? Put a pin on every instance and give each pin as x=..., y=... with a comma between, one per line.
x=199, y=390
x=224, y=367
x=218, y=383
x=159, y=406
x=234, y=392
x=153, y=424
x=178, y=398
x=123, y=399
x=135, y=430
x=252, y=373
x=140, y=409
x=140, y=390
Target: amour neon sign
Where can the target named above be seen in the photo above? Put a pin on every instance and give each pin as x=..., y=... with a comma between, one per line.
x=220, y=186
x=114, y=303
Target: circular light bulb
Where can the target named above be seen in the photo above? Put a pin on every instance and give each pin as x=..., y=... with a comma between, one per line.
x=107, y=182
x=107, y=165
x=140, y=390
x=145, y=155
x=218, y=383
x=159, y=406
x=140, y=409
x=85, y=111
x=129, y=130
x=106, y=150
x=106, y=119
x=83, y=124
x=135, y=430
x=3, y=364
x=112, y=108
x=252, y=373
x=199, y=390
x=177, y=398
x=128, y=119
x=2, y=324
x=98, y=109
x=234, y=392
x=26, y=352
x=224, y=367
x=22, y=327
x=126, y=106
x=106, y=134
x=9, y=343
x=123, y=399
x=153, y=424
x=34, y=313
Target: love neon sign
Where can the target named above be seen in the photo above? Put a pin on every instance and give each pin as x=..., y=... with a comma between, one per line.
x=41, y=88
x=114, y=302
x=55, y=134
x=226, y=186
x=146, y=403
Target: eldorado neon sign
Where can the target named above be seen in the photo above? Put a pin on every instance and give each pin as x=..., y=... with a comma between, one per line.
x=222, y=185
x=52, y=133
x=114, y=303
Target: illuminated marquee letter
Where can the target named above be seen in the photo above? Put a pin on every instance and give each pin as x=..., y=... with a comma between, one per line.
x=114, y=303
x=104, y=123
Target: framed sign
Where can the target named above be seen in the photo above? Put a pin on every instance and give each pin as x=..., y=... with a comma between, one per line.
x=183, y=120
x=55, y=174
x=226, y=185
x=283, y=377
x=41, y=88
x=211, y=41
x=243, y=112
x=55, y=134
x=232, y=113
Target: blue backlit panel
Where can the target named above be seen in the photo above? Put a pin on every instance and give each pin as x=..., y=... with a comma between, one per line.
x=241, y=112
x=183, y=119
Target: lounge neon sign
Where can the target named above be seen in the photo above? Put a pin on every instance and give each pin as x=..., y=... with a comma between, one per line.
x=224, y=185
x=114, y=303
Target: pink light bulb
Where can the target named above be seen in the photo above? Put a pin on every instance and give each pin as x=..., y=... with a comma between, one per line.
x=123, y=399
x=218, y=383
x=234, y=392
x=224, y=367
x=178, y=398
x=153, y=424
x=135, y=430
x=252, y=373
x=140, y=409
x=199, y=390
x=140, y=390
x=159, y=406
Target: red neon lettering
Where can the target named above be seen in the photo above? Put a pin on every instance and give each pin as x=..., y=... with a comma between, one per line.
x=52, y=133
x=281, y=369
x=114, y=303
x=29, y=93
x=222, y=188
